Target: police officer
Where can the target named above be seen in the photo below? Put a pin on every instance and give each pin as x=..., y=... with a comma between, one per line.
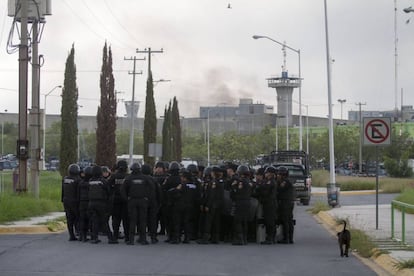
x=205, y=181
x=83, y=191
x=213, y=207
x=266, y=193
x=136, y=189
x=160, y=175
x=70, y=199
x=285, y=196
x=99, y=192
x=195, y=209
x=154, y=202
x=119, y=204
x=240, y=194
x=170, y=183
x=183, y=197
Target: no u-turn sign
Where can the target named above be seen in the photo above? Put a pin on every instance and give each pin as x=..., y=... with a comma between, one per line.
x=377, y=131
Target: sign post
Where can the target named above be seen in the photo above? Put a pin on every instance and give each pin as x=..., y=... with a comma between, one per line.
x=377, y=132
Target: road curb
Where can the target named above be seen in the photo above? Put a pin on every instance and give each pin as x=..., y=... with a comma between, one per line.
x=385, y=261
x=348, y=193
x=32, y=229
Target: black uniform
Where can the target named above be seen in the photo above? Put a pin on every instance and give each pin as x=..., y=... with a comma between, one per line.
x=240, y=194
x=99, y=192
x=162, y=208
x=119, y=204
x=83, y=191
x=266, y=193
x=136, y=189
x=70, y=201
x=213, y=209
x=285, y=196
x=170, y=183
x=154, y=203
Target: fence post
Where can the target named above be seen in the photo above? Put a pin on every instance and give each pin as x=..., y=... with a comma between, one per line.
x=392, y=220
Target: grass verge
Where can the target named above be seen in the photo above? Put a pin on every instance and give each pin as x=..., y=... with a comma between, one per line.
x=20, y=206
x=319, y=206
x=350, y=183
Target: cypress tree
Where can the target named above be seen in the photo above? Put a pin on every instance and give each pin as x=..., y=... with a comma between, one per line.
x=150, y=120
x=176, y=130
x=69, y=116
x=106, y=115
x=166, y=135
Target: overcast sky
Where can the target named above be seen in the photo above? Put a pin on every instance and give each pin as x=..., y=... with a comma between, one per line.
x=211, y=58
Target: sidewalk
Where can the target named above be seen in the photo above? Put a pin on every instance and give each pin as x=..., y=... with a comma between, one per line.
x=363, y=217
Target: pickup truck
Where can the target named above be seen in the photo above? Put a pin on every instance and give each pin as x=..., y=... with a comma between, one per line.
x=297, y=162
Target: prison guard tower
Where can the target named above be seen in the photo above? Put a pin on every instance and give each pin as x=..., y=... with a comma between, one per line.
x=284, y=89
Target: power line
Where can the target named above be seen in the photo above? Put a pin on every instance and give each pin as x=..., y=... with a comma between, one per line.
x=103, y=24
x=119, y=22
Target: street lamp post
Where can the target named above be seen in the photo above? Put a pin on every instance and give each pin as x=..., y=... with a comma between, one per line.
x=341, y=101
x=284, y=45
x=44, y=125
x=208, y=137
x=332, y=179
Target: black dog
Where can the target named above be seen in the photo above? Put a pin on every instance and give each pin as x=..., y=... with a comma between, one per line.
x=344, y=240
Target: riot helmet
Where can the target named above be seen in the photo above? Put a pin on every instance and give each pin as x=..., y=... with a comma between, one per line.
x=73, y=169
x=135, y=168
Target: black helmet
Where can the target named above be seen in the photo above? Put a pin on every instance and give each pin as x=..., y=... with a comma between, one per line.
x=96, y=171
x=174, y=166
x=88, y=172
x=216, y=169
x=122, y=165
x=73, y=169
x=283, y=171
x=192, y=168
x=260, y=171
x=185, y=173
x=243, y=170
x=207, y=172
x=146, y=169
x=135, y=168
x=270, y=169
x=160, y=164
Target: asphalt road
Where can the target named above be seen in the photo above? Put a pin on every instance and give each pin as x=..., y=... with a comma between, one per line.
x=315, y=252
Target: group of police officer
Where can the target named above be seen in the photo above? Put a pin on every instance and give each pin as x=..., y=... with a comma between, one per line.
x=206, y=205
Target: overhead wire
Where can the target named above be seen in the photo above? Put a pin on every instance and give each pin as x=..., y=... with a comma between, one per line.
x=120, y=23
x=84, y=22
x=102, y=24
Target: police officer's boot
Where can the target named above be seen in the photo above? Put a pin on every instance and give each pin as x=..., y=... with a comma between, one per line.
x=205, y=239
x=268, y=240
x=111, y=239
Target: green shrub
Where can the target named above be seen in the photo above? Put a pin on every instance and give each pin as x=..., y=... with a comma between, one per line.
x=405, y=264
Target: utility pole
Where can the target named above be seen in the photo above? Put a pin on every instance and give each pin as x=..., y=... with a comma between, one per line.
x=22, y=142
x=360, y=135
x=149, y=51
x=131, y=133
x=35, y=113
x=146, y=131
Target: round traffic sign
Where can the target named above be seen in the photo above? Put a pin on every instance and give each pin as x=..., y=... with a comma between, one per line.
x=377, y=131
